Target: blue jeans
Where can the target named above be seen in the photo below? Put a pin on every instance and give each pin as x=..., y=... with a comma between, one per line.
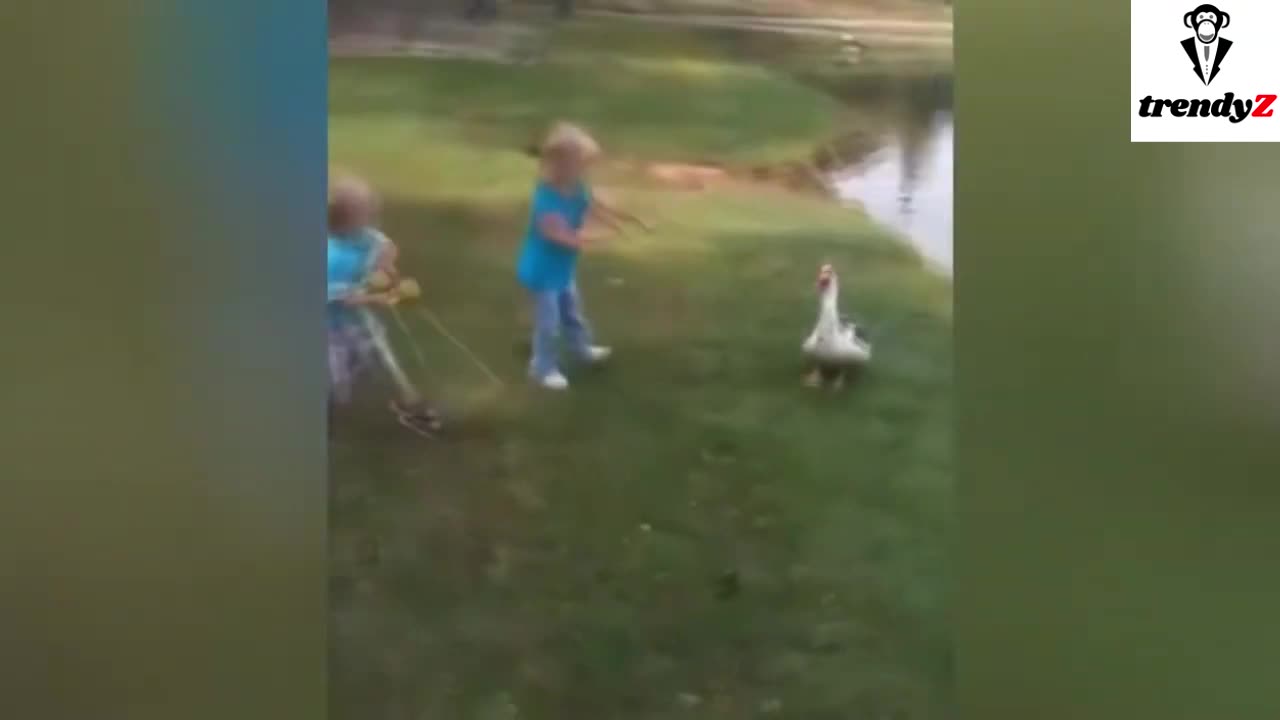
x=554, y=310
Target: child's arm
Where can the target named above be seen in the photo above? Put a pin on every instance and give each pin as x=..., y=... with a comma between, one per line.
x=612, y=215
x=388, y=256
x=555, y=228
x=604, y=218
x=349, y=294
x=356, y=296
x=368, y=298
x=339, y=292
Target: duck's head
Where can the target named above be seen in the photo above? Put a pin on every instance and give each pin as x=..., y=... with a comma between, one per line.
x=826, y=278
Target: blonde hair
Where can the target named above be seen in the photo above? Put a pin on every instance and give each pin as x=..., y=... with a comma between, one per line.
x=349, y=196
x=346, y=187
x=569, y=137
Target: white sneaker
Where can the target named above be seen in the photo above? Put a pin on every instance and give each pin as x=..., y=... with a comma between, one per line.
x=598, y=354
x=554, y=381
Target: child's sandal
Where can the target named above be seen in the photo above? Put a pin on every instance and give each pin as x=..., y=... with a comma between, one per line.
x=421, y=420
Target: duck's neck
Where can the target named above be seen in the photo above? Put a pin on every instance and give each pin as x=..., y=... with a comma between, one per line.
x=828, y=310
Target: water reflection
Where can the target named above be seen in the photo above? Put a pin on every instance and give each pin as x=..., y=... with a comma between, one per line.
x=906, y=184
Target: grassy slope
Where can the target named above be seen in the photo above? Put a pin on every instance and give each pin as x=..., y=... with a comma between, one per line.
x=559, y=555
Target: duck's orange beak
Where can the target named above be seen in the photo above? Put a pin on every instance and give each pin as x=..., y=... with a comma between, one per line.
x=824, y=277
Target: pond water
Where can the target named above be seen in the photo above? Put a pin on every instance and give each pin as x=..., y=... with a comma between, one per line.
x=906, y=185
x=896, y=162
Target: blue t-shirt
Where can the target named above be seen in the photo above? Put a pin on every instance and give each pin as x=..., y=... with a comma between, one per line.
x=544, y=264
x=352, y=257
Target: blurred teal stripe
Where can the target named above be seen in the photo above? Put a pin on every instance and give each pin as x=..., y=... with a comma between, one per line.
x=164, y=450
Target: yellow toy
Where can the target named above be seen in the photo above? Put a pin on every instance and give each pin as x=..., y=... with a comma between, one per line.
x=408, y=289
x=379, y=281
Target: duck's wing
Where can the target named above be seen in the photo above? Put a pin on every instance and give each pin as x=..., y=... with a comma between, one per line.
x=854, y=330
x=810, y=343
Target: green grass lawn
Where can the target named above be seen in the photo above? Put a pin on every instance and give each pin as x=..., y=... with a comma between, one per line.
x=563, y=556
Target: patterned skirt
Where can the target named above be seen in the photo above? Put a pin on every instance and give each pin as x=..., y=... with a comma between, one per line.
x=352, y=351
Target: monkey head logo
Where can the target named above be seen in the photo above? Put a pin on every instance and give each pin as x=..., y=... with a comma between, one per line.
x=1207, y=48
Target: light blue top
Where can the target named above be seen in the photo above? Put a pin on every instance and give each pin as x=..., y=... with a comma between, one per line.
x=352, y=257
x=545, y=265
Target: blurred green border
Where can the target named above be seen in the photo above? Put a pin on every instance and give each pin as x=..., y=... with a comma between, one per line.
x=1114, y=388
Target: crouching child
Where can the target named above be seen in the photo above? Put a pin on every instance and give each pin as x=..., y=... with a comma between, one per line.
x=357, y=253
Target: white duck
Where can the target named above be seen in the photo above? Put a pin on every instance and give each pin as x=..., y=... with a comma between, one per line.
x=835, y=345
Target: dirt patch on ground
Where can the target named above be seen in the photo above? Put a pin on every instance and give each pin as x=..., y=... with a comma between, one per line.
x=693, y=177
x=797, y=177
x=846, y=150
x=689, y=177
x=696, y=177
x=928, y=10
